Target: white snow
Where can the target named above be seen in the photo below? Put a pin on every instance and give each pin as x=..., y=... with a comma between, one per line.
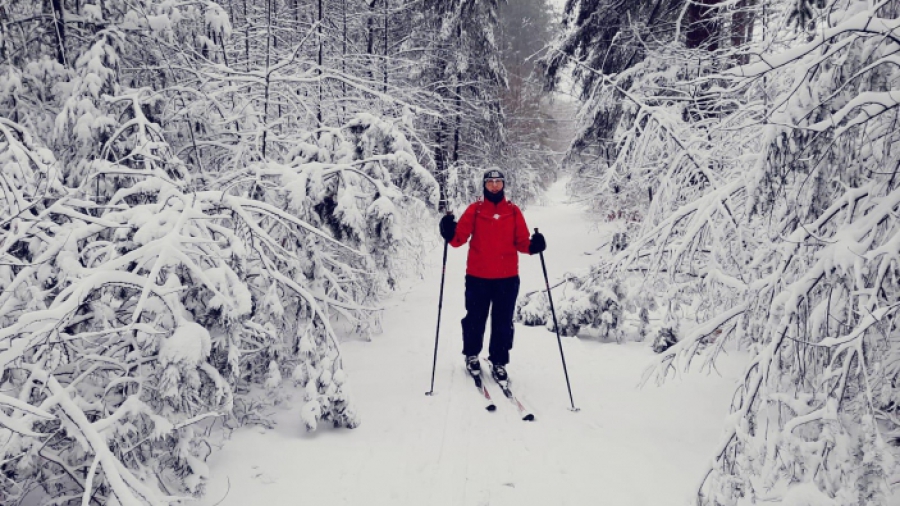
x=627, y=446
x=187, y=346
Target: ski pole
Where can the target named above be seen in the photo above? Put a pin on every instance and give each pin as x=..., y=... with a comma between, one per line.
x=437, y=332
x=556, y=326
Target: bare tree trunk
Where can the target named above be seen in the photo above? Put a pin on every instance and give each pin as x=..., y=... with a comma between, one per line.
x=265, y=124
x=385, y=37
x=742, y=27
x=59, y=27
x=440, y=162
x=274, y=38
x=344, y=59
x=370, y=41
x=246, y=37
x=319, y=61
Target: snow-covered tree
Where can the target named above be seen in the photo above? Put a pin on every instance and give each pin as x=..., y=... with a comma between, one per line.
x=607, y=37
x=773, y=217
x=529, y=156
x=464, y=69
x=176, y=227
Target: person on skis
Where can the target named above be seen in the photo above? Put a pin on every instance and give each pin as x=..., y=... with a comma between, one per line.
x=498, y=234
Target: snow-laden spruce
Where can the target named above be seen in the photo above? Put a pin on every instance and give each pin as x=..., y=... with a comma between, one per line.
x=153, y=276
x=150, y=308
x=766, y=175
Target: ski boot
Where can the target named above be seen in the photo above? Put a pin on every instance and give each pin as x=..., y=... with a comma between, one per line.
x=473, y=365
x=499, y=374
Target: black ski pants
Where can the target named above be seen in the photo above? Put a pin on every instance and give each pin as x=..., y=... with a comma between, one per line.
x=499, y=297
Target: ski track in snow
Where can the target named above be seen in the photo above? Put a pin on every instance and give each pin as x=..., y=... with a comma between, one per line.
x=627, y=445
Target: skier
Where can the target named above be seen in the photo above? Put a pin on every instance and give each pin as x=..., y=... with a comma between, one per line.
x=498, y=232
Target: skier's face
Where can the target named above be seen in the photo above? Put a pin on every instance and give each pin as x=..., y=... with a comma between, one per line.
x=493, y=185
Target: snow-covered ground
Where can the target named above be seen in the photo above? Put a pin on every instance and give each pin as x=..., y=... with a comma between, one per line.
x=627, y=446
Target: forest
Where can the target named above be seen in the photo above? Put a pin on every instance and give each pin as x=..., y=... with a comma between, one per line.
x=200, y=199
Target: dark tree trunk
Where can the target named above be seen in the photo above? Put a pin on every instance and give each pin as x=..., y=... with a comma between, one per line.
x=370, y=39
x=268, y=56
x=59, y=27
x=344, y=59
x=441, y=165
x=742, y=27
x=246, y=37
x=703, y=27
x=385, y=61
x=319, y=61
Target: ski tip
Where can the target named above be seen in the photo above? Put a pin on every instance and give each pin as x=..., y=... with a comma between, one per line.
x=491, y=408
x=529, y=417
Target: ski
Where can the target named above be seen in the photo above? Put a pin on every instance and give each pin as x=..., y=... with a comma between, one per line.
x=524, y=412
x=479, y=384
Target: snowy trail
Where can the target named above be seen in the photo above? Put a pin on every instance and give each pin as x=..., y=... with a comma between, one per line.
x=627, y=446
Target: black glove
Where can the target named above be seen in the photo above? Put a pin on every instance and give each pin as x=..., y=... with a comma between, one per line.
x=448, y=227
x=538, y=244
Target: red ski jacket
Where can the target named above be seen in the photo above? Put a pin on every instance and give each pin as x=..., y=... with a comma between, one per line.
x=498, y=233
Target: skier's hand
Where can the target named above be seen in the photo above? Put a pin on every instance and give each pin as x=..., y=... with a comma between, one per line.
x=538, y=244
x=448, y=227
